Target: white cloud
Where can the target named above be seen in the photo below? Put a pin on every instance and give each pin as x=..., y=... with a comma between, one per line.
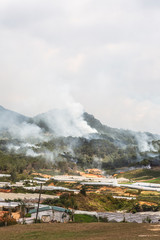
x=104, y=53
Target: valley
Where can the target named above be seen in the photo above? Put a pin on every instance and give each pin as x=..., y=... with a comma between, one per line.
x=88, y=171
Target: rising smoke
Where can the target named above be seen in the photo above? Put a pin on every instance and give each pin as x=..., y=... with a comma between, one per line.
x=60, y=122
x=63, y=122
x=67, y=122
x=145, y=142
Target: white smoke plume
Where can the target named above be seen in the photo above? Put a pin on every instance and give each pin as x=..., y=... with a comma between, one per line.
x=31, y=153
x=145, y=142
x=97, y=162
x=67, y=122
x=26, y=131
x=12, y=147
x=64, y=121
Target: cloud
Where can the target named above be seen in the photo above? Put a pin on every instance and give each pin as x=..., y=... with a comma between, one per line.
x=103, y=53
x=149, y=4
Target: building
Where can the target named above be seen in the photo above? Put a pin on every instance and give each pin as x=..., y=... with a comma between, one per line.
x=51, y=214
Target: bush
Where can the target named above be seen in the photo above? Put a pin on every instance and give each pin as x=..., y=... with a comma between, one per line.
x=103, y=219
x=147, y=220
x=136, y=208
x=38, y=221
x=7, y=220
x=28, y=215
x=144, y=208
x=83, y=190
x=79, y=218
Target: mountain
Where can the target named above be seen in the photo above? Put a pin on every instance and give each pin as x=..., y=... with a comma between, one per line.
x=64, y=122
x=77, y=138
x=9, y=118
x=122, y=137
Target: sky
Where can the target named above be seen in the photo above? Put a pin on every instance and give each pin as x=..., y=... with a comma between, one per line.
x=103, y=54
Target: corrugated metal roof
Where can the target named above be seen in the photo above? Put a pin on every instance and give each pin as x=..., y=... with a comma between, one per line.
x=54, y=208
x=60, y=209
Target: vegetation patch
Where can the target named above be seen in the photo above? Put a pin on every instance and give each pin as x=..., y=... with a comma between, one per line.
x=91, y=202
x=79, y=218
x=140, y=174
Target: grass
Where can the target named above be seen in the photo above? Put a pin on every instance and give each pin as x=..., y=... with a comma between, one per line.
x=141, y=174
x=81, y=231
x=84, y=218
x=156, y=180
x=151, y=199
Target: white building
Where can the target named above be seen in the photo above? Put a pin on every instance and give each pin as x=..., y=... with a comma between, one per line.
x=51, y=213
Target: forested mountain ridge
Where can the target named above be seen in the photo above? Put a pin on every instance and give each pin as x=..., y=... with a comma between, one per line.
x=68, y=139
x=8, y=118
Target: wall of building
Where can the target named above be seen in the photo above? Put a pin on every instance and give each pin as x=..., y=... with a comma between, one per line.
x=52, y=216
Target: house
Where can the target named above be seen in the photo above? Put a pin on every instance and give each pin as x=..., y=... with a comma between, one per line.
x=51, y=213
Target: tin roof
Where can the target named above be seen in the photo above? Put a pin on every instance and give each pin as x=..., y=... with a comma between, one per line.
x=54, y=208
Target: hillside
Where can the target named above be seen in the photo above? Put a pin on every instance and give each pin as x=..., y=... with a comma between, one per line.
x=10, y=118
x=68, y=139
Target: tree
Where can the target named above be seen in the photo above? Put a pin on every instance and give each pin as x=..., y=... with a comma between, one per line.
x=83, y=190
x=13, y=175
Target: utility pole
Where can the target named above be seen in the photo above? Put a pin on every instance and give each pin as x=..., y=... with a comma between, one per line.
x=38, y=202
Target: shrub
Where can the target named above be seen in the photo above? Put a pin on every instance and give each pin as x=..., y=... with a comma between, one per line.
x=28, y=215
x=38, y=221
x=147, y=220
x=84, y=218
x=136, y=208
x=103, y=219
x=83, y=190
x=7, y=220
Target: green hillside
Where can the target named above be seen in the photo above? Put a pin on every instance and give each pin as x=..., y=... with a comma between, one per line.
x=48, y=138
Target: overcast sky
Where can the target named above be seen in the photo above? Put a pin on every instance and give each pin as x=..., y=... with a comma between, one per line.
x=104, y=54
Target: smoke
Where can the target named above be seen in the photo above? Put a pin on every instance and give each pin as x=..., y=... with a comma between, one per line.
x=145, y=142
x=19, y=126
x=23, y=148
x=31, y=153
x=12, y=147
x=97, y=162
x=62, y=122
x=29, y=145
x=68, y=121
x=32, y=150
x=26, y=131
